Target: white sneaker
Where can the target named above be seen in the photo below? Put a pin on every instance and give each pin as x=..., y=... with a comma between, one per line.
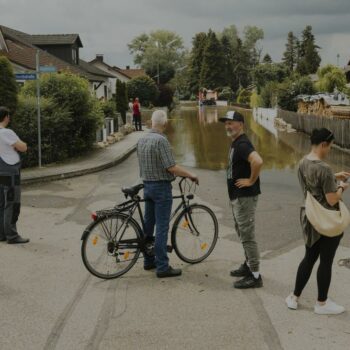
x=329, y=308
x=292, y=302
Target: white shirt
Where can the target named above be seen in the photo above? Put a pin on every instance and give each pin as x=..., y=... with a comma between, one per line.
x=7, y=153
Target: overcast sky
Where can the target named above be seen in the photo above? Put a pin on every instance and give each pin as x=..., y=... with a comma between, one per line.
x=106, y=26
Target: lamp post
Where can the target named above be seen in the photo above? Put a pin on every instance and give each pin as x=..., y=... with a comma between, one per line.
x=158, y=63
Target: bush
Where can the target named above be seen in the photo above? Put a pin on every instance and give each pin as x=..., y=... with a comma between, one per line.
x=72, y=93
x=255, y=100
x=244, y=97
x=55, y=125
x=226, y=94
x=331, y=78
x=166, y=95
x=121, y=99
x=144, y=88
x=269, y=94
x=108, y=108
x=8, y=85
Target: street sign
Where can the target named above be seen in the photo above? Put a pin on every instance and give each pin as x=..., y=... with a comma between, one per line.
x=48, y=69
x=25, y=76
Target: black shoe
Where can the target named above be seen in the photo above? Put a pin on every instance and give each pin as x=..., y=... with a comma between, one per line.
x=18, y=240
x=3, y=239
x=242, y=271
x=149, y=267
x=169, y=273
x=249, y=282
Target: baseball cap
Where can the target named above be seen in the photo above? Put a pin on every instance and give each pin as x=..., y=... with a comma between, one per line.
x=233, y=116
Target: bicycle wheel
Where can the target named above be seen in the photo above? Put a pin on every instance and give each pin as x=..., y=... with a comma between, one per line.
x=195, y=233
x=111, y=246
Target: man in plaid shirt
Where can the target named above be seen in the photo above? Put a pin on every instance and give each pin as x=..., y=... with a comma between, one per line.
x=157, y=170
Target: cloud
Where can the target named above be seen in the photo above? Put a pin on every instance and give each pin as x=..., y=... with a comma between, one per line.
x=106, y=26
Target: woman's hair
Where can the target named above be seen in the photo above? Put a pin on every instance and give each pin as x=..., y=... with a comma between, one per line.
x=4, y=112
x=321, y=135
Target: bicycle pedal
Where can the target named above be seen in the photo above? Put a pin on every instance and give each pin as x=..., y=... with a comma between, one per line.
x=169, y=248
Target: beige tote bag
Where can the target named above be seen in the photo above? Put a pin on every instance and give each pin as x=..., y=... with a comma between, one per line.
x=329, y=223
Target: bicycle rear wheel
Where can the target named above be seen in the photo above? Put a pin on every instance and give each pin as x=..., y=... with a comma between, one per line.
x=195, y=233
x=111, y=246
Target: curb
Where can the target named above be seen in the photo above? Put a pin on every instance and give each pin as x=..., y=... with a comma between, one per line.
x=81, y=172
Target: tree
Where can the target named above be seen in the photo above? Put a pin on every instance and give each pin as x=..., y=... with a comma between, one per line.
x=196, y=61
x=331, y=78
x=8, y=85
x=309, y=58
x=121, y=99
x=212, y=75
x=144, y=88
x=267, y=59
x=160, y=50
x=252, y=36
x=290, y=56
x=165, y=98
x=265, y=72
x=244, y=96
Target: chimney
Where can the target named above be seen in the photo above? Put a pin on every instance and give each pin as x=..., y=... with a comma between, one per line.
x=99, y=57
x=128, y=67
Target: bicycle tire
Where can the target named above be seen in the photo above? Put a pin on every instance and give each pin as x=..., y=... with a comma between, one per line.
x=175, y=232
x=135, y=241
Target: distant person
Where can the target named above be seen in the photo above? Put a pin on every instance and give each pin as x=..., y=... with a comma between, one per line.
x=10, y=181
x=157, y=170
x=136, y=108
x=131, y=106
x=244, y=188
x=316, y=176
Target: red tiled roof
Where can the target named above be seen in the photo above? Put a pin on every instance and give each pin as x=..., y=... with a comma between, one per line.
x=132, y=72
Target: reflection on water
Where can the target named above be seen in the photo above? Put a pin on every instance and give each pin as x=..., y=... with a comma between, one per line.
x=199, y=140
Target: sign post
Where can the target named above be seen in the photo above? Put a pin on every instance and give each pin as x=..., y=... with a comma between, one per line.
x=38, y=104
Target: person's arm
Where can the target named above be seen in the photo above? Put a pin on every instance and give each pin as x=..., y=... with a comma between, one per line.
x=334, y=197
x=20, y=146
x=256, y=164
x=180, y=171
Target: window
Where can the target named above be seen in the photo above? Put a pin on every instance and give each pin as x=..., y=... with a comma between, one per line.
x=74, y=56
x=106, y=92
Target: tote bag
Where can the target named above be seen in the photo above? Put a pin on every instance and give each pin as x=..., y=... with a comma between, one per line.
x=327, y=222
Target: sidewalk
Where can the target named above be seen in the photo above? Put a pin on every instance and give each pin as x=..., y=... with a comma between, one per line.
x=97, y=160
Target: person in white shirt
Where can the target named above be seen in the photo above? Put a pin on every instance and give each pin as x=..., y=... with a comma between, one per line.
x=10, y=181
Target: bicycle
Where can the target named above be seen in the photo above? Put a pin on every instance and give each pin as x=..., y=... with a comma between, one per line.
x=113, y=241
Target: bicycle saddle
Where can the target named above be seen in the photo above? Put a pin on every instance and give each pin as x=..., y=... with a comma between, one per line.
x=133, y=190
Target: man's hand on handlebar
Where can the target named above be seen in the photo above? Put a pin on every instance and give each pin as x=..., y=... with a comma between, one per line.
x=194, y=178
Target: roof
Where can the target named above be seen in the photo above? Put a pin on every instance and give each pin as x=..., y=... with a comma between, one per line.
x=23, y=53
x=56, y=39
x=92, y=69
x=132, y=72
x=113, y=69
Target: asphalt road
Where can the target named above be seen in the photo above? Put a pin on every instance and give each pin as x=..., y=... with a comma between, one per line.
x=49, y=301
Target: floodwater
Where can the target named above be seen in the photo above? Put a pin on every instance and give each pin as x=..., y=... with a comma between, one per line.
x=199, y=140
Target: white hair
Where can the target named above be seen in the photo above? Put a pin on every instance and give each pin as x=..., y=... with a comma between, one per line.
x=159, y=118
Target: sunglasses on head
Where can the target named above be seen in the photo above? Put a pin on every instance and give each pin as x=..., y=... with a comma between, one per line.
x=330, y=136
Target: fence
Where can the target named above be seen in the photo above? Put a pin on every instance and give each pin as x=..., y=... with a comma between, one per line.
x=306, y=123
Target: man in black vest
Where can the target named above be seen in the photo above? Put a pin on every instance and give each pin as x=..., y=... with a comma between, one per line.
x=10, y=181
x=244, y=187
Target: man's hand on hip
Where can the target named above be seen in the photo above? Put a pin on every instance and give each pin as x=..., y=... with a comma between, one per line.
x=241, y=183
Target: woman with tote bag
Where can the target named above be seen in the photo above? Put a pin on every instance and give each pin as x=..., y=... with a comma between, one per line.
x=323, y=202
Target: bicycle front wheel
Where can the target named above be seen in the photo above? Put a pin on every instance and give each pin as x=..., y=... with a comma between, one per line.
x=111, y=246
x=195, y=233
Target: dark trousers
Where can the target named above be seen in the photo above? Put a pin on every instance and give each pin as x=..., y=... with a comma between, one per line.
x=10, y=205
x=137, y=122
x=325, y=248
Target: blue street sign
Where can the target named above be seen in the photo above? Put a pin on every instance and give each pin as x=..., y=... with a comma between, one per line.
x=48, y=69
x=25, y=76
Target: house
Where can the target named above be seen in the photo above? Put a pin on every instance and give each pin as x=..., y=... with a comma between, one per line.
x=59, y=50
x=123, y=75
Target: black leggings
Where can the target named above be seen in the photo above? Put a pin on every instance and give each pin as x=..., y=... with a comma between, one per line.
x=324, y=248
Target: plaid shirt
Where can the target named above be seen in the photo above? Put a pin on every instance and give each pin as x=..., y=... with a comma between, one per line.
x=155, y=157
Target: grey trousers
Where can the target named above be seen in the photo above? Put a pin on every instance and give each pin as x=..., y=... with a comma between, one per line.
x=243, y=210
x=10, y=204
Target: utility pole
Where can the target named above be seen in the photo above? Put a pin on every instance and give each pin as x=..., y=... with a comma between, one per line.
x=38, y=104
x=338, y=56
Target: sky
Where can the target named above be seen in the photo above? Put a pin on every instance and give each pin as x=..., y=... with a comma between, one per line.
x=107, y=26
